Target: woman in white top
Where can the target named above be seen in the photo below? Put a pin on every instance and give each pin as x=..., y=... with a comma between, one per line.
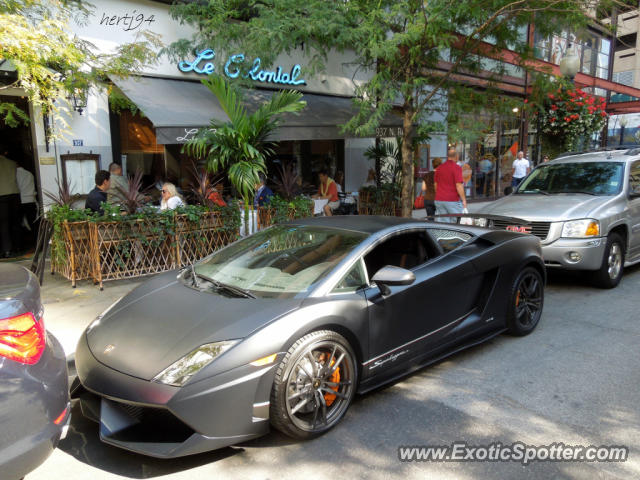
x=170, y=197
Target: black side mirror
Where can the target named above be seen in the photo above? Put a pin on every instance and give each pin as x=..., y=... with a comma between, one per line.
x=391, y=275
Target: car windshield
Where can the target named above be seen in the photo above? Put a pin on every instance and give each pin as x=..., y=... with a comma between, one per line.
x=280, y=262
x=592, y=178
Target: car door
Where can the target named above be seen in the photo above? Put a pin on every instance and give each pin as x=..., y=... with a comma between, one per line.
x=634, y=210
x=417, y=318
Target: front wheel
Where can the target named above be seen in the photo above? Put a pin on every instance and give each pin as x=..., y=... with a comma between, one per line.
x=525, y=302
x=610, y=272
x=314, y=385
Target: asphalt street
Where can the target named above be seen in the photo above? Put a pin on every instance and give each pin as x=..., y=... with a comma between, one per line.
x=573, y=380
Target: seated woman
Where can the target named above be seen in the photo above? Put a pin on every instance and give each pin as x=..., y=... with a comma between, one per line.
x=327, y=190
x=170, y=197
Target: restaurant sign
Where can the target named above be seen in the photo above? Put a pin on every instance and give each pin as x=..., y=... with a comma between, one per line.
x=203, y=64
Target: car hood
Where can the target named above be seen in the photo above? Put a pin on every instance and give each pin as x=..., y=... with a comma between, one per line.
x=157, y=324
x=548, y=208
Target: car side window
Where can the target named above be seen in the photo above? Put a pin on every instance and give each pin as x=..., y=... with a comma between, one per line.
x=352, y=280
x=634, y=177
x=405, y=250
x=449, y=239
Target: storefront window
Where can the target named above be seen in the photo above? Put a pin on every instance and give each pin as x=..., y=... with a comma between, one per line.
x=139, y=150
x=308, y=157
x=487, y=160
x=593, y=51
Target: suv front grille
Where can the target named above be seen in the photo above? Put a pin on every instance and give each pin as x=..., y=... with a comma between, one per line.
x=539, y=229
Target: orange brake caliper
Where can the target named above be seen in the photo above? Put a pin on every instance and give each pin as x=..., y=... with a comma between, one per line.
x=335, y=378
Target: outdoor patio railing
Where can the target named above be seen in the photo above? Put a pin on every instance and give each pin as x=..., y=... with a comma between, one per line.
x=104, y=251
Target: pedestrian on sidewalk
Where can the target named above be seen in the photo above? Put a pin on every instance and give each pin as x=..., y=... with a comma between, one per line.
x=9, y=205
x=429, y=189
x=29, y=204
x=521, y=168
x=450, y=197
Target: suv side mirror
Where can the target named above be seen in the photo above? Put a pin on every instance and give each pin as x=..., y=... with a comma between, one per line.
x=391, y=275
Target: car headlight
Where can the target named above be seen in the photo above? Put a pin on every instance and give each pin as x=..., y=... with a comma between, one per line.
x=587, y=227
x=182, y=370
x=480, y=222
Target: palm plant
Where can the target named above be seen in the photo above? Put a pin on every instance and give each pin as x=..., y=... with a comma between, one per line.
x=242, y=144
x=287, y=183
x=132, y=198
x=202, y=186
x=63, y=197
x=392, y=170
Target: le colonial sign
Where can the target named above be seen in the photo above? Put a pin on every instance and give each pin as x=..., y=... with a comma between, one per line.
x=203, y=64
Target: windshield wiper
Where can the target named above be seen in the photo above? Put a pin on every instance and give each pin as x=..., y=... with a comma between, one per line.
x=534, y=190
x=581, y=191
x=229, y=288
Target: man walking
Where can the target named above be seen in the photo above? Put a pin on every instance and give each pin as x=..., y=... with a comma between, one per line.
x=450, y=197
x=521, y=169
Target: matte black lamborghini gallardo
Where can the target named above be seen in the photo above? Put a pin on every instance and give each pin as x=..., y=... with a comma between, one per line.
x=286, y=325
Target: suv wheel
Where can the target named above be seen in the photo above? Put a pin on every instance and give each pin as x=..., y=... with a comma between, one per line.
x=610, y=272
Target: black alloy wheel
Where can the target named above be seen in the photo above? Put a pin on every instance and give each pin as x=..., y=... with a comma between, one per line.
x=314, y=385
x=526, y=302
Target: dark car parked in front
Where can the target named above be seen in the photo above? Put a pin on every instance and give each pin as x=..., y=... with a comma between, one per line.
x=34, y=386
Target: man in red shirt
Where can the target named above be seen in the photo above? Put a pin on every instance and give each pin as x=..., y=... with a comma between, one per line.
x=448, y=181
x=328, y=190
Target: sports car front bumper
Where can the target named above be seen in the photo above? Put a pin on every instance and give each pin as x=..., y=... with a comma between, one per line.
x=165, y=421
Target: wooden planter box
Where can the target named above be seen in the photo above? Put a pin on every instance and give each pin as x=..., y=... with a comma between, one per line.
x=116, y=250
x=266, y=216
x=371, y=204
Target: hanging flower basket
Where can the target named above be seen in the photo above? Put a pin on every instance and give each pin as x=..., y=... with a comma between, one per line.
x=569, y=116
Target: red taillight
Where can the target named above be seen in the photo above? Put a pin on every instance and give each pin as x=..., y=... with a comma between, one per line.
x=22, y=338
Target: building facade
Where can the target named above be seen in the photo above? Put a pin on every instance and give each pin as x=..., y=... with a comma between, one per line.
x=174, y=104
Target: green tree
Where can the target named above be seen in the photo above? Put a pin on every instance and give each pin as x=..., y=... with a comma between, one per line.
x=50, y=62
x=416, y=51
x=241, y=144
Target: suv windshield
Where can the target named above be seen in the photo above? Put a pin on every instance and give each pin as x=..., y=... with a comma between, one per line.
x=281, y=261
x=593, y=178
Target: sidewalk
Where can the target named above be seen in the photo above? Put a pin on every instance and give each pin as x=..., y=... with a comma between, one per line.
x=68, y=311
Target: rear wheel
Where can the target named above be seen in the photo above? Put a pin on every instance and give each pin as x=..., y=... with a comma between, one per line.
x=525, y=302
x=314, y=385
x=610, y=272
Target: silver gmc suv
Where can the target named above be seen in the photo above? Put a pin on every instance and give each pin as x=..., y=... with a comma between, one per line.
x=585, y=208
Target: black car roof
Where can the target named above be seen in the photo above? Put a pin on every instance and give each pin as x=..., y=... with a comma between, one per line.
x=358, y=223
